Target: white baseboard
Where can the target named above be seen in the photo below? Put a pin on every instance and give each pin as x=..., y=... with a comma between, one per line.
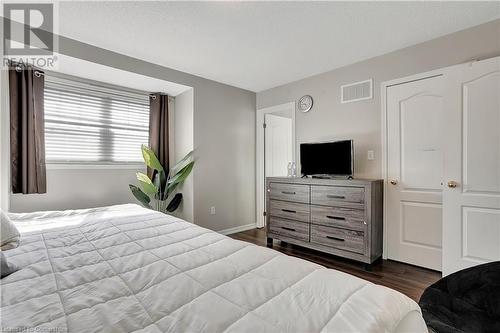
x=237, y=229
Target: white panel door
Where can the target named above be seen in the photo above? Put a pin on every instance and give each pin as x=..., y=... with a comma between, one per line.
x=278, y=145
x=471, y=216
x=415, y=172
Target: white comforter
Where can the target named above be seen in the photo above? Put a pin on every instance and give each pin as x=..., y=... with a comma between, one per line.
x=128, y=269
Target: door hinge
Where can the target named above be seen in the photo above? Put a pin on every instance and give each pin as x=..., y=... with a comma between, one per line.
x=264, y=125
x=264, y=213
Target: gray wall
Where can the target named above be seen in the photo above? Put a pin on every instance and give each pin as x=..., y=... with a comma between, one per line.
x=361, y=121
x=224, y=138
x=79, y=188
x=183, y=130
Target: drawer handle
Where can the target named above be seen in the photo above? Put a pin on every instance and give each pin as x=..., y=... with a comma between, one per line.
x=289, y=211
x=289, y=229
x=336, y=218
x=287, y=192
x=335, y=196
x=336, y=238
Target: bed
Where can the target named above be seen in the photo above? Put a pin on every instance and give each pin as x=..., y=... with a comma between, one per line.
x=125, y=268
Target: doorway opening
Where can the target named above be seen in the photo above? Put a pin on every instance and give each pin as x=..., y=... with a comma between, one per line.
x=275, y=128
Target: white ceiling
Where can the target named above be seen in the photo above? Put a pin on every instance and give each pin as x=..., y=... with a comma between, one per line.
x=89, y=70
x=259, y=45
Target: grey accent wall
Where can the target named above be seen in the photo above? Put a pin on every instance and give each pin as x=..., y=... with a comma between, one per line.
x=79, y=188
x=183, y=142
x=223, y=137
x=361, y=121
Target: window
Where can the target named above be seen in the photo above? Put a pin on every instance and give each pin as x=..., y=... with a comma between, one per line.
x=91, y=124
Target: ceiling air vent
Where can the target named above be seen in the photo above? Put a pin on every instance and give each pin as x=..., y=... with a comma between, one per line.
x=357, y=91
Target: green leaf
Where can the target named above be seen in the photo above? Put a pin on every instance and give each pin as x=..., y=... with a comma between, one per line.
x=181, y=163
x=180, y=177
x=146, y=183
x=156, y=182
x=174, y=203
x=141, y=196
x=182, y=174
x=171, y=188
x=163, y=184
x=160, y=182
x=150, y=158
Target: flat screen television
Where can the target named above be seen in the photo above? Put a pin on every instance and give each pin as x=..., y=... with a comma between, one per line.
x=327, y=159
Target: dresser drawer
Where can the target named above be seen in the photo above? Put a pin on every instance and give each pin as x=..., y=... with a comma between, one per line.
x=289, y=192
x=338, y=217
x=289, y=210
x=287, y=228
x=333, y=195
x=349, y=240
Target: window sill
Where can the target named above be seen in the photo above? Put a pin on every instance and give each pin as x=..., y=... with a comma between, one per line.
x=75, y=166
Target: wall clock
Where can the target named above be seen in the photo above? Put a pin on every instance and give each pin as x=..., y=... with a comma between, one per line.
x=305, y=103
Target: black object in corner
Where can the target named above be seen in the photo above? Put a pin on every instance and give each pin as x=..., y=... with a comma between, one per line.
x=465, y=301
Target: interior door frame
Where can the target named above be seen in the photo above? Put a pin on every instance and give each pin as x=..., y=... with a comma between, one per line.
x=384, y=86
x=259, y=157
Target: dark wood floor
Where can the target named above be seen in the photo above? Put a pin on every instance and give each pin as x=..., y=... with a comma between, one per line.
x=407, y=279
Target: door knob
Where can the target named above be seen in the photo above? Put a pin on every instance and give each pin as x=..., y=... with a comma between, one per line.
x=452, y=184
x=394, y=182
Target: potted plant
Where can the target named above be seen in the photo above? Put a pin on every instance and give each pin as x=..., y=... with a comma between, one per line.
x=156, y=190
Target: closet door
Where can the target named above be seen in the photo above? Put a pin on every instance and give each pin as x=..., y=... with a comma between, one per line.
x=415, y=172
x=471, y=199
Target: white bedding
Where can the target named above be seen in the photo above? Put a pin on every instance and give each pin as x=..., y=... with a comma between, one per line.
x=128, y=269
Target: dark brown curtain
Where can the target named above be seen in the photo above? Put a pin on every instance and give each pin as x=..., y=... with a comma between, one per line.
x=158, y=128
x=27, y=138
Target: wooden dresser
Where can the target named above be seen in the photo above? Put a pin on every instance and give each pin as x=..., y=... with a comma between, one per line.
x=337, y=216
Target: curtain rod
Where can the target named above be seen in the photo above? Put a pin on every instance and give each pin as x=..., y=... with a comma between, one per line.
x=153, y=96
x=38, y=73
x=19, y=68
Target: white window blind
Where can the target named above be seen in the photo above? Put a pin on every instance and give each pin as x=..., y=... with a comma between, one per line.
x=89, y=124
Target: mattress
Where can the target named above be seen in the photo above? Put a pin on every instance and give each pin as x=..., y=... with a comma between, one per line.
x=129, y=269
